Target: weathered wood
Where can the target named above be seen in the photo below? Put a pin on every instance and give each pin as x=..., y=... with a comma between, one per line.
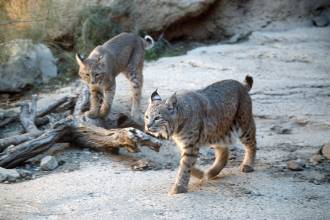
x=41, y=113
x=28, y=115
x=18, y=139
x=50, y=108
x=81, y=135
x=77, y=129
x=8, y=120
x=15, y=155
x=102, y=139
x=82, y=101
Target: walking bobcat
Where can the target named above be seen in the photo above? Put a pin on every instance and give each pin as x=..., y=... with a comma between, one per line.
x=123, y=53
x=213, y=115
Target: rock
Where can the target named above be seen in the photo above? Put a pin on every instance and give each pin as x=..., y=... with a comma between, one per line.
x=316, y=159
x=320, y=21
x=281, y=130
x=10, y=175
x=26, y=174
x=28, y=64
x=145, y=164
x=190, y=19
x=295, y=165
x=326, y=151
x=157, y=15
x=238, y=37
x=48, y=163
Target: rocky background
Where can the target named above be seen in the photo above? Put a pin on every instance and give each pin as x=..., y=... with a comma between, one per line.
x=68, y=26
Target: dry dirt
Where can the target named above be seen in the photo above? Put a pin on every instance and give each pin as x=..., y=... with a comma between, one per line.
x=291, y=98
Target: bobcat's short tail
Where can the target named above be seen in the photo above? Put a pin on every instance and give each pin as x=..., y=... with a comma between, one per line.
x=148, y=42
x=248, y=82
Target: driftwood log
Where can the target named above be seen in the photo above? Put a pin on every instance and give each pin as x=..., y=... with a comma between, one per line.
x=41, y=113
x=77, y=129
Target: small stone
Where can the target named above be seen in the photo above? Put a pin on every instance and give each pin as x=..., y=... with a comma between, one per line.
x=26, y=174
x=144, y=164
x=10, y=175
x=239, y=37
x=326, y=151
x=280, y=130
x=294, y=166
x=48, y=163
x=320, y=21
x=316, y=159
x=61, y=162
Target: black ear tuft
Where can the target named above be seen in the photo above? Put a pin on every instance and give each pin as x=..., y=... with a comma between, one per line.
x=79, y=59
x=155, y=96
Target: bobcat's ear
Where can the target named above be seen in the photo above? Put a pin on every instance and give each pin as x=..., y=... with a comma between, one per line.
x=171, y=102
x=155, y=97
x=79, y=60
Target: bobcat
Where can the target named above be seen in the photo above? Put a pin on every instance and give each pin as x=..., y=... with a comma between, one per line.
x=213, y=115
x=123, y=53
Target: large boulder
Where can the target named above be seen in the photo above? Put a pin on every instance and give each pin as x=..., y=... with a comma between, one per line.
x=227, y=18
x=157, y=16
x=194, y=19
x=27, y=64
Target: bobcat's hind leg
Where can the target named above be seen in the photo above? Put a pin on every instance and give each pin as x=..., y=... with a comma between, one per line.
x=108, y=95
x=136, y=82
x=249, y=140
x=221, y=158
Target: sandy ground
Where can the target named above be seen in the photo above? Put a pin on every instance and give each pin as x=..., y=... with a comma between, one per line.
x=291, y=70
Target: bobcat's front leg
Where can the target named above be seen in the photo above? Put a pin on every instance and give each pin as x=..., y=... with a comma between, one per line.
x=108, y=95
x=94, y=102
x=189, y=156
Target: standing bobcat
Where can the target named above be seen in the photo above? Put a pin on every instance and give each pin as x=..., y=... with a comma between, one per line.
x=214, y=116
x=123, y=53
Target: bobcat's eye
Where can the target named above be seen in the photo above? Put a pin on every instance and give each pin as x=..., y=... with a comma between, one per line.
x=157, y=118
x=146, y=116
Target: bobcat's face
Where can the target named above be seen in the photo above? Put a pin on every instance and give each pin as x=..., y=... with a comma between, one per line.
x=91, y=71
x=160, y=116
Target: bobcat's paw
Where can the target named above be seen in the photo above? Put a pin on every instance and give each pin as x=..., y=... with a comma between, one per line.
x=91, y=114
x=246, y=168
x=176, y=189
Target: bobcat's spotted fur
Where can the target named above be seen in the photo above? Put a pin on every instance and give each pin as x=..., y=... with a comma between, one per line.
x=214, y=116
x=123, y=53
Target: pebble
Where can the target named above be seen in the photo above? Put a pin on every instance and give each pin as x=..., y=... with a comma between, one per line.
x=48, y=163
x=26, y=174
x=144, y=164
x=316, y=159
x=280, y=130
x=320, y=21
x=295, y=165
x=10, y=175
x=326, y=151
